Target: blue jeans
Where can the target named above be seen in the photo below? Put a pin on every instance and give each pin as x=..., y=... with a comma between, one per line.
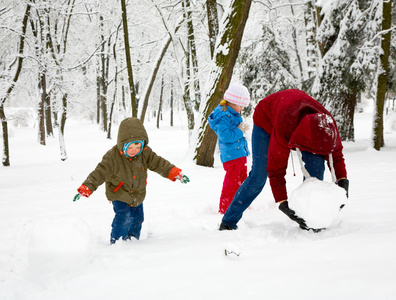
x=127, y=222
x=257, y=178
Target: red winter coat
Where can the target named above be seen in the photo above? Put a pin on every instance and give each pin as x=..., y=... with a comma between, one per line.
x=282, y=116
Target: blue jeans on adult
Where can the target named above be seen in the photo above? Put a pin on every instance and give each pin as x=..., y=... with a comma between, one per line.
x=127, y=222
x=257, y=178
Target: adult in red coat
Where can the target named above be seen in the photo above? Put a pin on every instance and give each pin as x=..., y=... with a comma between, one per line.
x=284, y=121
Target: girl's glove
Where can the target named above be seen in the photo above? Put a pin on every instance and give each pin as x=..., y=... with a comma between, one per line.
x=182, y=178
x=83, y=190
x=244, y=126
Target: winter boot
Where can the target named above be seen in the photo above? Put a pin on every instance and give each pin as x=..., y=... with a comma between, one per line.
x=226, y=227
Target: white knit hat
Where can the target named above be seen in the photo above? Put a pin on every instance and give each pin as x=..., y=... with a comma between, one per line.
x=237, y=94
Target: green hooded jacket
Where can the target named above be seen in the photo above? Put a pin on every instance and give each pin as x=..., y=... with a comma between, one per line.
x=125, y=177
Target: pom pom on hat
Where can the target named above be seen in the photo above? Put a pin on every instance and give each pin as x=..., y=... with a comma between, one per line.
x=237, y=94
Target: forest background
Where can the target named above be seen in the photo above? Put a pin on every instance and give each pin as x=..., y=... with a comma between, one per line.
x=73, y=69
x=107, y=60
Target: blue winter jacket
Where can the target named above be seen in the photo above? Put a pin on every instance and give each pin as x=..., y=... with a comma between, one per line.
x=232, y=143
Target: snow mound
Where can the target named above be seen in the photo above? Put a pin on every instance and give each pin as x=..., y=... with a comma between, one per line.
x=59, y=246
x=317, y=202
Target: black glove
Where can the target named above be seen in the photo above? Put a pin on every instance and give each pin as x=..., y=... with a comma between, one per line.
x=284, y=207
x=344, y=183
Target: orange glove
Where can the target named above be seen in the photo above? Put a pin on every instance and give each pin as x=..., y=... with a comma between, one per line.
x=84, y=191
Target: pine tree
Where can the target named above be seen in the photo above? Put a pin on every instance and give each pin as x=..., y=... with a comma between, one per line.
x=265, y=68
x=341, y=76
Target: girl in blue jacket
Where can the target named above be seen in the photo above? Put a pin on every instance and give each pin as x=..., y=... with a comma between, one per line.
x=229, y=127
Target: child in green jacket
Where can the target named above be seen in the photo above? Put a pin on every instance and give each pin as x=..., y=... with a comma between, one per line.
x=124, y=170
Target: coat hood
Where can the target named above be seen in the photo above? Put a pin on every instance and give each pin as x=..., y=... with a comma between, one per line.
x=214, y=116
x=131, y=129
x=316, y=133
x=218, y=113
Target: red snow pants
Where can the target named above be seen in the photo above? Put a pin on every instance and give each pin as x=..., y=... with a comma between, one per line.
x=236, y=173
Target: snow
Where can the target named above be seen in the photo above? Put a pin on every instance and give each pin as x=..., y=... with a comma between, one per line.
x=58, y=245
x=223, y=49
x=54, y=248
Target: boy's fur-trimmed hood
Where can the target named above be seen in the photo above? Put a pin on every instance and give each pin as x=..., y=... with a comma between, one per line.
x=131, y=129
x=126, y=178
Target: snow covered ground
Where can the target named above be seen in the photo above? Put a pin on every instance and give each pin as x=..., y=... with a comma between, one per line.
x=54, y=248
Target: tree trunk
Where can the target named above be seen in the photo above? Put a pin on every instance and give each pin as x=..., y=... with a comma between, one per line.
x=186, y=92
x=4, y=124
x=103, y=104
x=213, y=24
x=46, y=96
x=123, y=97
x=48, y=115
x=6, y=146
x=98, y=92
x=193, y=54
x=318, y=18
x=295, y=42
x=128, y=59
x=378, y=128
x=41, y=121
x=41, y=34
x=310, y=40
x=103, y=79
x=54, y=111
x=115, y=86
x=62, y=124
x=344, y=115
x=221, y=73
x=57, y=44
x=160, y=102
x=112, y=107
x=171, y=104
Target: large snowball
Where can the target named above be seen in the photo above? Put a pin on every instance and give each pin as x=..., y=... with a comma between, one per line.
x=317, y=202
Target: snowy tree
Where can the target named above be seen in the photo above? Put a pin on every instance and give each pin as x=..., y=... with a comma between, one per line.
x=382, y=83
x=75, y=62
x=11, y=75
x=265, y=68
x=52, y=27
x=226, y=52
x=213, y=24
x=312, y=21
x=340, y=81
x=128, y=59
x=392, y=58
x=113, y=102
x=192, y=53
x=157, y=64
